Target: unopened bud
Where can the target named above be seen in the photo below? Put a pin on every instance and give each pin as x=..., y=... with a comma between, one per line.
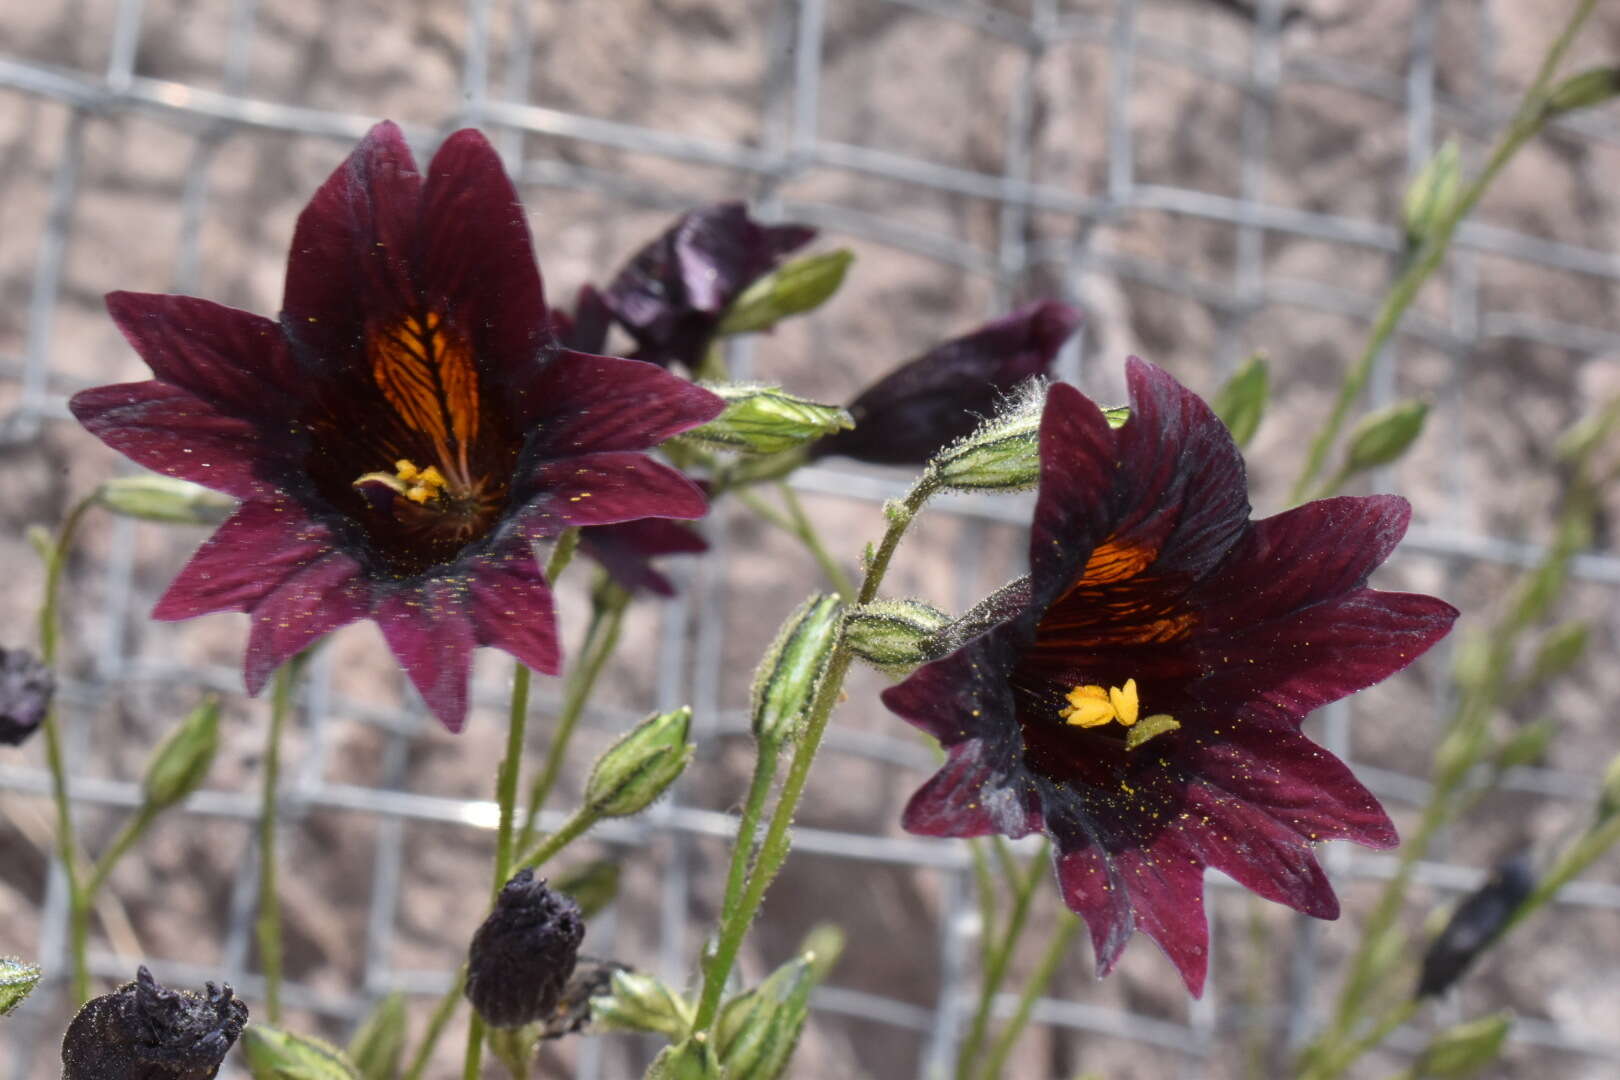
x=1591, y=87
x=273, y=1054
x=522, y=955
x=180, y=764
x=143, y=1031
x=1003, y=454
x=1474, y=926
x=164, y=499
x=690, y=1059
x=1241, y=400
x=635, y=770
x=1527, y=745
x=1559, y=651
x=757, y=1029
x=792, y=289
x=26, y=686
x=1465, y=1049
x=17, y=981
x=1385, y=435
x=638, y=1002
x=786, y=681
x=766, y=420
x=1431, y=194
x=894, y=635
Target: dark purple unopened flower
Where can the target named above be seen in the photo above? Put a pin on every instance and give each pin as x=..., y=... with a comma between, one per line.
x=671, y=295
x=26, y=686
x=143, y=1031
x=1475, y=926
x=908, y=415
x=523, y=954
x=1138, y=697
x=404, y=433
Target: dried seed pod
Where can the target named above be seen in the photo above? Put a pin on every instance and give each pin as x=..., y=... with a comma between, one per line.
x=144, y=1031
x=523, y=954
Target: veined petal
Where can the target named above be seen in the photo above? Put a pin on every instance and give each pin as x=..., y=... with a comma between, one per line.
x=259, y=547
x=1076, y=505
x=236, y=361
x=1093, y=888
x=1257, y=851
x=604, y=489
x=328, y=593
x=513, y=608
x=584, y=404
x=1166, y=884
x=971, y=796
x=429, y=628
x=177, y=434
x=961, y=696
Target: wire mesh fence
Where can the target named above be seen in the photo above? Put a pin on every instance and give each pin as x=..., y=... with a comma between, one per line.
x=1203, y=178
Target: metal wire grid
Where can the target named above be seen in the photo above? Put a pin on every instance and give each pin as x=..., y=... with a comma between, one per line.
x=790, y=148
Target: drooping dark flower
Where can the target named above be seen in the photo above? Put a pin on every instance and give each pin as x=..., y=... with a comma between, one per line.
x=1475, y=924
x=406, y=431
x=26, y=686
x=144, y=1031
x=908, y=415
x=626, y=551
x=523, y=954
x=671, y=295
x=1138, y=697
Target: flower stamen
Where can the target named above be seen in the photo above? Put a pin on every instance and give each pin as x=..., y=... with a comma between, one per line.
x=1094, y=706
x=417, y=485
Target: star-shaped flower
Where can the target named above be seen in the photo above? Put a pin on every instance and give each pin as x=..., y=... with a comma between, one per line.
x=1138, y=697
x=405, y=432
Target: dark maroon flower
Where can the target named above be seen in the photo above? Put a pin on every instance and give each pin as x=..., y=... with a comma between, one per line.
x=1154, y=604
x=671, y=295
x=144, y=1031
x=524, y=953
x=626, y=551
x=26, y=686
x=586, y=329
x=908, y=415
x=405, y=432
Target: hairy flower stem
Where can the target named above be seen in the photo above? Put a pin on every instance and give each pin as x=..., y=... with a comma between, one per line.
x=1527, y=122
x=1000, y=956
x=268, y=924
x=742, y=848
x=1056, y=950
x=734, y=921
x=66, y=847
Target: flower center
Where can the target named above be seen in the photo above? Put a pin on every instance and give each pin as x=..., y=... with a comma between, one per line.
x=418, y=485
x=1096, y=706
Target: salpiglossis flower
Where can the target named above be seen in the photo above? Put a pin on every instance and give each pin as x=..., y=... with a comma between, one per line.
x=1155, y=606
x=405, y=432
x=907, y=416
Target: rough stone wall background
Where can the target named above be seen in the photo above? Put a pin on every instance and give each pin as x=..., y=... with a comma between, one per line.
x=1207, y=182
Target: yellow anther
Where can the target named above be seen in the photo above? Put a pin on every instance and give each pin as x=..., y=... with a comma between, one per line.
x=418, y=494
x=406, y=470
x=431, y=478
x=1124, y=701
x=1094, y=706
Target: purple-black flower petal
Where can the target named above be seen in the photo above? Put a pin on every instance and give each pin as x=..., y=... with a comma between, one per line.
x=626, y=551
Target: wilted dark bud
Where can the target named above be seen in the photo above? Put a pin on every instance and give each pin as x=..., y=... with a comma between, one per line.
x=1464, y=1049
x=639, y=1002
x=143, y=1031
x=907, y=416
x=1385, y=435
x=671, y=295
x=165, y=500
x=894, y=635
x=180, y=764
x=522, y=955
x=1583, y=90
x=765, y=420
x=1474, y=926
x=17, y=981
x=786, y=680
x=281, y=1055
x=26, y=686
x=591, y=979
x=1241, y=401
x=1003, y=454
x=1431, y=194
x=635, y=770
x=691, y=1059
x=792, y=289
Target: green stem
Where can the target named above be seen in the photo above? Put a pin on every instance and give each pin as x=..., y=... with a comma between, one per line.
x=506, y=786
x=773, y=852
x=436, y=1025
x=1068, y=925
x=562, y=554
x=541, y=853
x=1527, y=122
x=985, y=885
x=1336, y=1062
x=132, y=831
x=742, y=848
x=269, y=921
x=995, y=972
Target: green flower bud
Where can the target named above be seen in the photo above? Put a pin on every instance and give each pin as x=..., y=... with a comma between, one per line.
x=636, y=769
x=786, y=680
x=164, y=499
x=1465, y=1049
x=1527, y=745
x=758, y=1029
x=1385, y=435
x=1581, y=91
x=691, y=1059
x=792, y=289
x=17, y=981
x=1559, y=651
x=1003, y=454
x=281, y=1055
x=639, y=1002
x=1431, y=194
x=1241, y=401
x=378, y=1046
x=180, y=764
x=894, y=636
x=766, y=420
